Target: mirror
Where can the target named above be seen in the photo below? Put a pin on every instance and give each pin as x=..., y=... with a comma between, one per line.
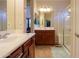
x=28, y=16
x=3, y=15
x=43, y=17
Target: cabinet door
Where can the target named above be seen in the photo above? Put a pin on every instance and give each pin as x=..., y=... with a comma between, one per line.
x=52, y=36
x=26, y=54
x=16, y=54
x=38, y=37
x=32, y=48
x=26, y=45
x=26, y=48
x=31, y=51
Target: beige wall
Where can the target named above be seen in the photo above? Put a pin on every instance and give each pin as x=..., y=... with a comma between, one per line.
x=10, y=15
x=15, y=15
x=19, y=15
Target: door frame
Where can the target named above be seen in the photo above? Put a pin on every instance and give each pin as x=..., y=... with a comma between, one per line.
x=73, y=17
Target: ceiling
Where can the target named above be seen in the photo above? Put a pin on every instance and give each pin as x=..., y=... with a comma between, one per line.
x=55, y=4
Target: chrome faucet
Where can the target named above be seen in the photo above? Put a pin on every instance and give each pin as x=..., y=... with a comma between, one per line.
x=4, y=36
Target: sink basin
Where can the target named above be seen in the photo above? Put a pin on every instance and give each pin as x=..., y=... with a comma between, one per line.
x=4, y=36
x=12, y=37
x=8, y=38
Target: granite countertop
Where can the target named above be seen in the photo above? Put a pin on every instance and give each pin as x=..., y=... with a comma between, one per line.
x=13, y=41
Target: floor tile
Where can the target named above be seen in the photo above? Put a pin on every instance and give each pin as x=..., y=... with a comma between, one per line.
x=50, y=52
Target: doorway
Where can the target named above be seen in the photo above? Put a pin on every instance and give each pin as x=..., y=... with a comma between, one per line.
x=27, y=16
x=59, y=15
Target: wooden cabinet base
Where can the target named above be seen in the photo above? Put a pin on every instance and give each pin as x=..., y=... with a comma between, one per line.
x=27, y=50
x=45, y=37
x=31, y=51
x=16, y=54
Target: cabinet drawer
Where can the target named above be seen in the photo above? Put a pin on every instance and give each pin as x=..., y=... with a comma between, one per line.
x=16, y=54
x=26, y=45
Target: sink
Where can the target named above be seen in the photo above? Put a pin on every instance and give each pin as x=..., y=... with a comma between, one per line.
x=11, y=37
x=4, y=36
x=7, y=38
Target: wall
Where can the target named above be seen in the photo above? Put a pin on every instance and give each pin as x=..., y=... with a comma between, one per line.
x=10, y=15
x=19, y=15
x=15, y=15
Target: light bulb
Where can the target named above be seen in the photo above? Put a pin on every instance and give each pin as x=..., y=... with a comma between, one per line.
x=45, y=9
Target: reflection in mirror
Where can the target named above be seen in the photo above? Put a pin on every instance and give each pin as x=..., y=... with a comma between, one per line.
x=28, y=16
x=3, y=15
x=43, y=17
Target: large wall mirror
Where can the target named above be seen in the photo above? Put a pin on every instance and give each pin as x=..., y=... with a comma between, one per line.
x=3, y=15
x=43, y=18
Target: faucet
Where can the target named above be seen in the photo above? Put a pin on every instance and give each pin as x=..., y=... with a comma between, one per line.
x=4, y=36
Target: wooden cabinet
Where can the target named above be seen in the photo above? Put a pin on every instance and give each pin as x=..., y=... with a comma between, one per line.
x=32, y=49
x=45, y=37
x=16, y=54
x=27, y=50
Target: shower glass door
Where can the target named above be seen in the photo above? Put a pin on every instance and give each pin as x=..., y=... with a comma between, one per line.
x=67, y=31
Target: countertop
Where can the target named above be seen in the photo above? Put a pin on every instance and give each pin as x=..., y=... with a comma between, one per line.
x=45, y=28
x=14, y=41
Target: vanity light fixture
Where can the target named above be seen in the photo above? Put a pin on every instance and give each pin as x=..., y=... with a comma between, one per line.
x=45, y=9
x=69, y=10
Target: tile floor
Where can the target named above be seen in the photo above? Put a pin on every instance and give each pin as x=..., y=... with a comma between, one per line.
x=43, y=52
x=50, y=52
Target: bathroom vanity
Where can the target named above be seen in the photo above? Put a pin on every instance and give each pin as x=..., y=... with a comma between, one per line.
x=18, y=46
x=45, y=36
